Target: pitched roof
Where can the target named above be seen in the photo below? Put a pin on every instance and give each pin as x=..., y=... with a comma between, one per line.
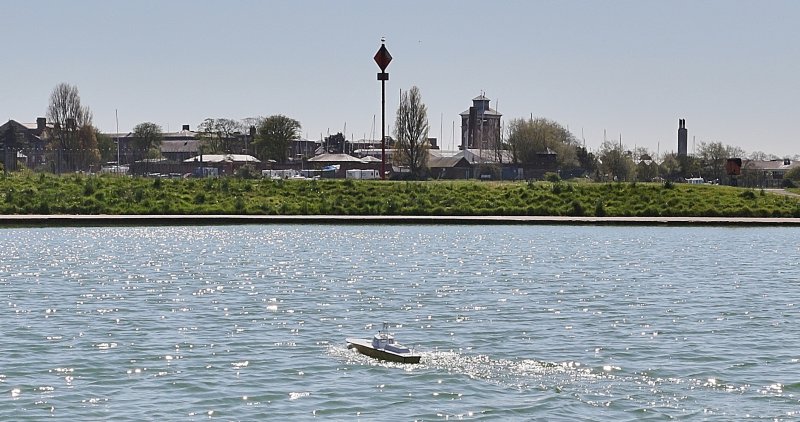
x=179, y=146
x=488, y=112
x=224, y=158
x=447, y=162
x=771, y=164
x=335, y=158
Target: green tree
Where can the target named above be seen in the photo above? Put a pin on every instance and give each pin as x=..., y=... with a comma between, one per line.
x=147, y=139
x=670, y=167
x=793, y=174
x=106, y=147
x=586, y=160
x=615, y=163
x=713, y=157
x=411, y=131
x=529, y=137
x=334, y=144
x=275, y=137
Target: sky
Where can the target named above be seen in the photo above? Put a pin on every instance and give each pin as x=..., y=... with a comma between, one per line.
x=606, y=70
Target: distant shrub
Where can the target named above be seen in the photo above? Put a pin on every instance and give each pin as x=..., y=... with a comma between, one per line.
x=43, y=207
x=552, y=177
x=748, y=194
x=668, y=184
x=239, y=205
x=576, y=208
x=157, y=183
x=246, y=172
x=599, y=209
x=89, y=187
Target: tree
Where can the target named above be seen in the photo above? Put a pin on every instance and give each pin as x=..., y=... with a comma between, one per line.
x=147, y=139
x=713, y=157
x=73, y=145
x=586, y=160
x=793, y=174
x=762, y=156
x=411, y=130
x=65, y=104
x=275, y=137
x=217, y=135
x=529, y=137
x=106, y=147
x=616, y=163
x=334, y=144
x=670, y=167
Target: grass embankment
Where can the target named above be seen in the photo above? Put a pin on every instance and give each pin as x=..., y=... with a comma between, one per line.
x=77, y=194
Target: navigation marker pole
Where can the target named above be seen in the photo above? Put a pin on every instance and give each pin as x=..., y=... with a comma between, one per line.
x=383, y=58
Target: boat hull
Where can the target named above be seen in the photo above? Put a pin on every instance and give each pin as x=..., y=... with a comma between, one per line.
x=365, y=348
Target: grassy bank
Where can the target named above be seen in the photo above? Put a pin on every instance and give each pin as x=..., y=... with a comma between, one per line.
x=77, y=194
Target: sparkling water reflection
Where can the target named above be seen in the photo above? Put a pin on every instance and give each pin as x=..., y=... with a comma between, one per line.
x=555, y=323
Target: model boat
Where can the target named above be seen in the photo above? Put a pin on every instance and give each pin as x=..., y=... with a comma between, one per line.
x=384, y=347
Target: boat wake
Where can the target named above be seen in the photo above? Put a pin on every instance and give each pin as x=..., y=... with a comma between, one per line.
x=526, y=374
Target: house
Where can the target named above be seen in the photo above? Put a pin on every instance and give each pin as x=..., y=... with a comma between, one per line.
x=449, y=166
x=765, y=174
x=23, y=143
x=179, y=150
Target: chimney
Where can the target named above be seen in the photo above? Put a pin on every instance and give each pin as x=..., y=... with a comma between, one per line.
x=683, y=136
x=41, y=123
x=185, y=128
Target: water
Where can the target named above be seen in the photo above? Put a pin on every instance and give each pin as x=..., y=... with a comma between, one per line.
x=514, y=323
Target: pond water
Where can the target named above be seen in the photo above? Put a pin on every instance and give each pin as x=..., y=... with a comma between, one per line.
x=513, y=322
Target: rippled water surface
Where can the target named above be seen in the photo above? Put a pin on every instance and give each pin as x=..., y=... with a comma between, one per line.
x=513, y=323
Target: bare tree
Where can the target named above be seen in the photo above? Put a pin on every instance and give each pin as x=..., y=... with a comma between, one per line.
x=411, y=131
x=218, y=134
x=65, y=104
x=73, y=143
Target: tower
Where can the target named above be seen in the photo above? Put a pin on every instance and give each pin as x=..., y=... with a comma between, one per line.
x=480, y=125
x=682, y=138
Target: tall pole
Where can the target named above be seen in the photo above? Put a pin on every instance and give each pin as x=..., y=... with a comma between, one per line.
x=382, y=58
x=383, y=128
x=116, y=117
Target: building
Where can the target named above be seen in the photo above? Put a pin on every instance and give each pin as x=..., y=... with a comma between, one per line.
x=764, y=174
x=480, y=126
x=683, y=136
x=23, y=143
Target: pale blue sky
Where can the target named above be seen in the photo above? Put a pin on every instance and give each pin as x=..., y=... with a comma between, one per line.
x=631, y=68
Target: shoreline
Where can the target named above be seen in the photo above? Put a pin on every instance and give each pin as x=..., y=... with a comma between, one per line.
x=11, y=221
